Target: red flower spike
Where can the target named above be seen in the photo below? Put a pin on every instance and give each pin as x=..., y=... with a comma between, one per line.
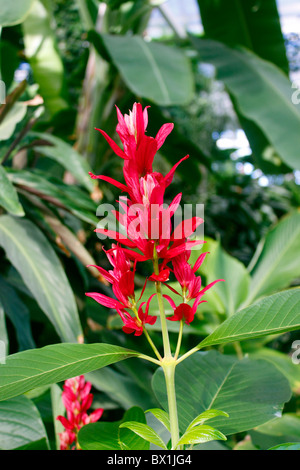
x=77, y=399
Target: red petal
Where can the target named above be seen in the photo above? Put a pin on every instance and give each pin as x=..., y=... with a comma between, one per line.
x=163, y=133
x=113, y=145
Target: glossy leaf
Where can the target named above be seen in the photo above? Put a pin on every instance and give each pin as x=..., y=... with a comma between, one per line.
x=8, y=195
x=210, y=380
x=12, y=13
x=12, y=118
x=272, y=315
x=208, y=414
x=162, y=416
x=201, y=434
x=42, y=273
x=160, y=73
x=258, y=28
x=144, y=431
x=259, y=90
x=20, y=423
x=275, y=263
x=287, y=446
x=34, y=368
x=110, y=436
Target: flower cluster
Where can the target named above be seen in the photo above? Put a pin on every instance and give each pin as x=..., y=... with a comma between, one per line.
x=148, y=227
x=77, y=399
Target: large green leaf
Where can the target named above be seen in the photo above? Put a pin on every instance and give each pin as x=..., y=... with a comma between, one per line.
x=67, y=156
x=20, y=423
x=261, y=92
x=31, y=254
x=276, y=261
x=283, y=362
x=15, y=12
x=251, y=392
x=151, y=70
x=42, y=53
x=8, y=195
x=109, y=435
x=256, y=27
x=34, y=368
x=272, y=315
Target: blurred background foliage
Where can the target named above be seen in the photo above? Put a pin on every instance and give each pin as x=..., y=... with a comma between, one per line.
x=227, y=86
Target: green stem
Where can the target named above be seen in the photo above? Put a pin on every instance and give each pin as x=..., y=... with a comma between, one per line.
x=189, y=353
x=179, y=340
x=169, y=371
x=163, y=319
x=152, y=344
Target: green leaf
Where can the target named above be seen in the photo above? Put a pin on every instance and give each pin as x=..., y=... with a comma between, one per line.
x=158, y=72
x=200, y=435
x=34, y=368
x=287, y=446
x=119, y=387
x=144, y=431
x=272, y=315
x=12, y=13
x=8, y=195
x=275, y=263
x=42, y=273
x=67, y=156
x=129, y=440
x=258, y=28
x=12, y=118
x=202, y=417
x=99, y=436
x=261, y=93
x=20, y=423
x=277, y=431
x=162, y=416
x=210, y=380
x=42, y=52
x=73, y=198
x=283, y=362
x=109, y=435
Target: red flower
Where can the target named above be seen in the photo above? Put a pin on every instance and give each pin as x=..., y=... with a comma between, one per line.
x=136, y=325
x=77, y=399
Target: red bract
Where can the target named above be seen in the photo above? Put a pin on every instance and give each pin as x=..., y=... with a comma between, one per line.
x=77, y=399
x=136, y=325
x=148, y=227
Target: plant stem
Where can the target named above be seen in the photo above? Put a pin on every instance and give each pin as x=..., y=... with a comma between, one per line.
x=152, y=345
x=189, y=353
x=169, y=371
x=179, y=340
x=163, y=320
